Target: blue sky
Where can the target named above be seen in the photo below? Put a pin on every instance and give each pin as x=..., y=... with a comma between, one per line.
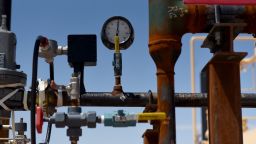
x=56, y=19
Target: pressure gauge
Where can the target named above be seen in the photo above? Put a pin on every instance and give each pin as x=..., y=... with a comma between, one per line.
x=117, y=26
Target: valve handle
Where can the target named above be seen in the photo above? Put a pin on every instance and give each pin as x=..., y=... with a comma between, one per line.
x=39, y=119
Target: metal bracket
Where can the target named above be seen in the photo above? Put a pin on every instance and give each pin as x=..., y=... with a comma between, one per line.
x=222, y=35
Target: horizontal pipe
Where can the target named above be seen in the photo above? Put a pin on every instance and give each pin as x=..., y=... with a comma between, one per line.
x=5, y=139
x=140, y=99
x=126, y=100
x=106, y=99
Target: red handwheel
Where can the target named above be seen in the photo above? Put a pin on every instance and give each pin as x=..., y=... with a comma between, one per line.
x=39, y=119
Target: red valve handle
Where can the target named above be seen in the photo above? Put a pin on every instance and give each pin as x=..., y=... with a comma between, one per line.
x=39, y=119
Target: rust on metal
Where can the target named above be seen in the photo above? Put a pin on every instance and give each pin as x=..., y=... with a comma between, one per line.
x=150, y=137
x=168, y=21
x=250, y=18
x=117, y=89
x=165, y=53
x=224, y=98
x=223, y=84
x=4, y=133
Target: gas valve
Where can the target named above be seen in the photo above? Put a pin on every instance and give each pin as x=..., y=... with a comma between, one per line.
x=124, y=119
x=119, y=119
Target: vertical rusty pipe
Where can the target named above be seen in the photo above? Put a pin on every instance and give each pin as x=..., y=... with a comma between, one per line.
x=165, y=34
x=165, y=54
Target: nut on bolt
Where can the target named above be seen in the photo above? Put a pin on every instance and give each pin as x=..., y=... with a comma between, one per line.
x=91, y=119
x=60, y=118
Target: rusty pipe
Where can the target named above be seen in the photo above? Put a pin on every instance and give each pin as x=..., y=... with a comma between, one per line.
x=166, y=26
x=138, y=99
x=169, y=18
x=167, y=51
x=168, y=21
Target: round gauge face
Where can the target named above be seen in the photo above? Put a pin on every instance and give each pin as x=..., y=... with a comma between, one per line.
x=117, y=26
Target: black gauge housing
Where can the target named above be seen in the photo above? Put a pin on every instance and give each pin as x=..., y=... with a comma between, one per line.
x=110, y=45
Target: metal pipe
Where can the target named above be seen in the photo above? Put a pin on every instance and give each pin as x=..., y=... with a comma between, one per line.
x=5, y=139
x=166, y=27
x=142, y=99
x=106, y=99
x=165, y=52
x=51, y=66
x=193, y=89
x=5, y=9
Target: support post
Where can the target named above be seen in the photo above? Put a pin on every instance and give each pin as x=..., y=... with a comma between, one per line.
x=224, y=92
x=224, y=99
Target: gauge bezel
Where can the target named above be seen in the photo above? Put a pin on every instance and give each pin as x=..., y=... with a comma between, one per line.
x=123, y=45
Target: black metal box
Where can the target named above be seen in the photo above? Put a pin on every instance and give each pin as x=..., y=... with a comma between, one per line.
x=82, y=49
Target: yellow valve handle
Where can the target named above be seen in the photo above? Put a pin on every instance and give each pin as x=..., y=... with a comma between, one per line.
x=151, y=116
x=117, y=48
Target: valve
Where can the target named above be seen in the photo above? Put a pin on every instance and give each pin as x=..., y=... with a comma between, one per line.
x=117, y=34
x=21, y=128
x=73, y=88
x=51, y=50
x=10, y=77
x=124, y=119
x=39, y=119
x=119, y=119
x=47, y=96
x=74, y=120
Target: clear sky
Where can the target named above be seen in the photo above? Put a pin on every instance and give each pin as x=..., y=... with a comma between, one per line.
x=56, y=19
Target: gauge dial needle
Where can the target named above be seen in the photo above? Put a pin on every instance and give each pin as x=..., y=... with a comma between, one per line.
x=117, y=27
